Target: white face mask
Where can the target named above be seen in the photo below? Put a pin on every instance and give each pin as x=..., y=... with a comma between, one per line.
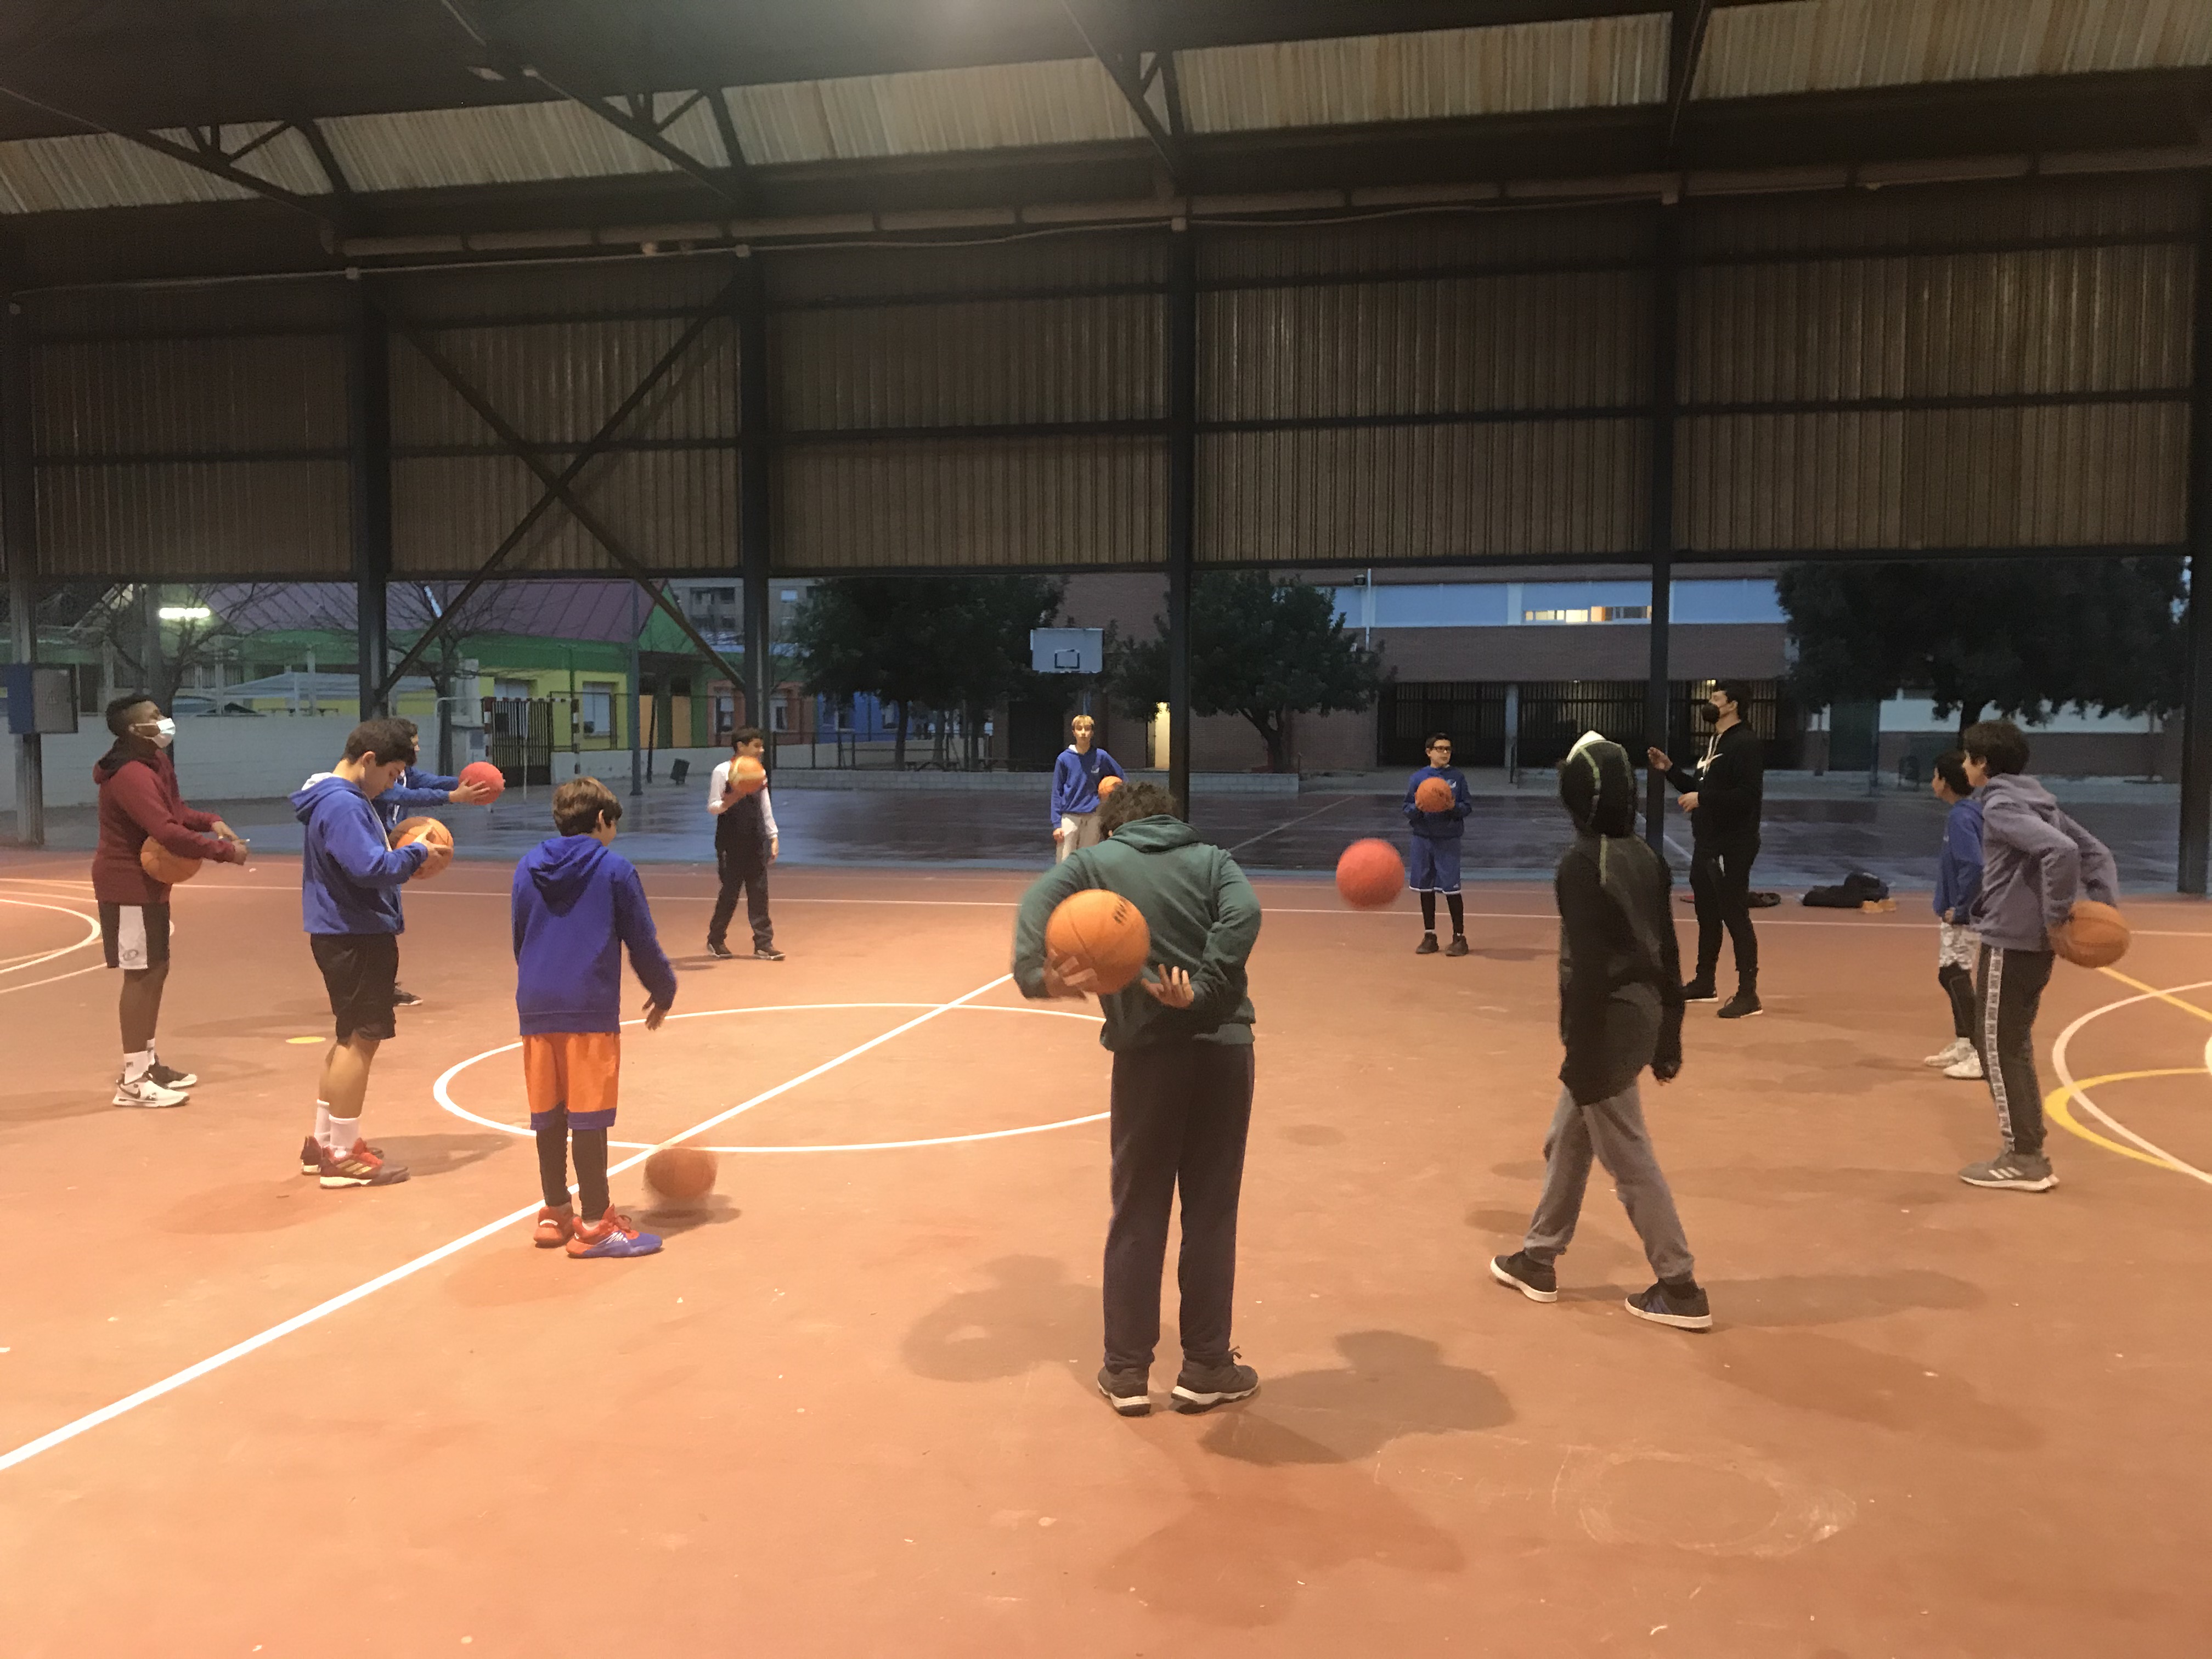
x=164, y=733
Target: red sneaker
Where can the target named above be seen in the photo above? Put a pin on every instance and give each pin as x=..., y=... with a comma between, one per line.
x=555, y=1227
x=361, y=1168
x=611, y=1235
x=311, y=1156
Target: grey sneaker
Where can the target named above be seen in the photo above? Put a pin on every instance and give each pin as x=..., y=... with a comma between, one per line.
x=1427, y=947
x=1742, y=1006
x=1967, y=1069
x=1534, y=1280
x=1457, y=947
x=1683, y=1305
x=1129, y=1392
x=1201, y=1387
x=2020, y=1172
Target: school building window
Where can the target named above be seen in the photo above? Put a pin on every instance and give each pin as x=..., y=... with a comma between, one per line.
x=598, y=708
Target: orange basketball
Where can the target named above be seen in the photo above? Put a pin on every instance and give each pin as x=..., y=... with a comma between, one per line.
x=160, y=865
x=680, y=1175
x=1434, y=796
x=2096, y=935
x=407, y=831
x=1102, y=932
x=1108, y=785
x=1370, y=875
x=747, y=775
x=485, y=776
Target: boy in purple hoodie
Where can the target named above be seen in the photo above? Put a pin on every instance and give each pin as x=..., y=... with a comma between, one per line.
x=577, y=904
x=2036, y=861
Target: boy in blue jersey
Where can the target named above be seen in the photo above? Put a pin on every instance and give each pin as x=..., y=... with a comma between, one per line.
x=1433, y=867
x=1075, y=779
x=577, y=904
x=1958, y=881
x=415, y=790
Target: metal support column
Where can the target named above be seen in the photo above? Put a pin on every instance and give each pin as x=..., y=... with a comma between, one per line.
x=368, y=445
x=1659, y=534
x=1183, y=497
x=756, y=473
x=2196, y=709
x=19, y=552
x=636, y=759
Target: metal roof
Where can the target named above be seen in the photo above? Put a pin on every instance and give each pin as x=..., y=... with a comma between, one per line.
x=607, y=611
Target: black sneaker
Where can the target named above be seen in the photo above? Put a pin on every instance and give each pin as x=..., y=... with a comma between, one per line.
x=169, y=1078
x=1129, y=1392
x=1201, y=1387
x=2020, y=1172
x=767, y=953
x=404, y=998
x=1457, y=947
x=1742, y=1006
x=716, y=948
x=1427, y=947
x=1534, y=1280
x=1683, y=1306
x=1700, y=990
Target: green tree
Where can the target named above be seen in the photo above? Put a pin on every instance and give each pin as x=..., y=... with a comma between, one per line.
x=1260, y=649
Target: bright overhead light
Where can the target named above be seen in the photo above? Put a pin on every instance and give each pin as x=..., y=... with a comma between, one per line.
x=486, y=72
x=185, y=613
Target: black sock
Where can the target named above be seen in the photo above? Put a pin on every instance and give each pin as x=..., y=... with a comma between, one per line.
x=1428, y=912
x=1458, y=915
x=591, y=1172
x=553, y=1162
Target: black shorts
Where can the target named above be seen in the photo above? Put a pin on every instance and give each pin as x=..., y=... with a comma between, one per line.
x=360, y=971
x=136, y=937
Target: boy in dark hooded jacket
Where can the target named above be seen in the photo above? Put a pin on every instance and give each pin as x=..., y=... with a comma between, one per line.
x=1620, y=1010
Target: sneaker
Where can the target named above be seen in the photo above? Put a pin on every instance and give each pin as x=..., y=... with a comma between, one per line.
x=1457, y=947
x=1129, y=1392
x=2021, y=1172
x=1742, y=1006
x=1532, y=1278
x=361, y=1167
x=716, y=948
x=1682, y=1306
x=311, y=1156
x=1967, y=1070
x=1700, y=990
x=1427, y=947
x=611, y=1235
x=767, y=953
x=404, y=999
x=555, y=1227
x=169, y=1078
x=147, y=1092
x=1950, y=1055
x=1201, y=1387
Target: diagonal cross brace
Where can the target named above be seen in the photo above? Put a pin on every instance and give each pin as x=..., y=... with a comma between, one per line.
x=1135, y=86
x=557, y=484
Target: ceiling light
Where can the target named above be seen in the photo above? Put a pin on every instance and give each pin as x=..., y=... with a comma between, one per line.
x=185, y=613
x=486, y=72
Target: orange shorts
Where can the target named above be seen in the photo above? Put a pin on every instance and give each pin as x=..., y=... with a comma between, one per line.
x=576, y=1072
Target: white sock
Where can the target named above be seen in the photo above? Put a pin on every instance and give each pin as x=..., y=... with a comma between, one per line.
x=135, y=1067
x=323, y=1125
x=344, y=1131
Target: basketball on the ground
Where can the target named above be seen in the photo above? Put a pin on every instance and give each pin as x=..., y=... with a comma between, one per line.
x=1102, y=932
x=2094, y=936
x=677, y=1175
x=407, y=831
x=747, y=775
x=1371, y=874
x=485, y=775
x=1434, y=796
x=160, y=865
x=1108, y=785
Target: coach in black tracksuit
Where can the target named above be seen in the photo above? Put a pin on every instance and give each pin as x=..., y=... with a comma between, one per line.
x=1723, y=794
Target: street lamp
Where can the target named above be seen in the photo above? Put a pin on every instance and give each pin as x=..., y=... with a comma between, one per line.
x=184, y=613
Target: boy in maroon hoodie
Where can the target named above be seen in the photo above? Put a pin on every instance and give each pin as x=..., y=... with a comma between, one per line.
x=139, y=802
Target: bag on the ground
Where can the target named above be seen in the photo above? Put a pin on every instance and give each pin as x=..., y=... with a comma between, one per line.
x=1860, y=887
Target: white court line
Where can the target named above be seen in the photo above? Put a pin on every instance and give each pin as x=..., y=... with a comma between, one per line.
x=91, y=934
x=2067, y=1081
x=1287, y=823
x=32, y=985
x=321, y=1310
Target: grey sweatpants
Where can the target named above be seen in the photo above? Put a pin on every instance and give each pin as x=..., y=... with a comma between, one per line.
x=1613, y=1128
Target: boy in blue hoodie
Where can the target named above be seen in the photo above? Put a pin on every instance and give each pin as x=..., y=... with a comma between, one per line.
x=1958, y=881
x=349, y=880
x=415, y=790
x=1433, y=867
x=1076, y=777
x=577, y=904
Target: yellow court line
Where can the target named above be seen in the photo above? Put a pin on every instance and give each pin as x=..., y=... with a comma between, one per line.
x=2163, y=996
x=2055, y=1107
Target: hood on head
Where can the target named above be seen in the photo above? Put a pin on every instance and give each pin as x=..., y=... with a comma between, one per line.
x=316, y=790
x=1597, y=785
x=1159, y=833
x=562, y=867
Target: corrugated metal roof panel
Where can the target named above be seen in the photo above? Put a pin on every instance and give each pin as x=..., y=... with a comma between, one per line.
x=1825, y=45
x=39, y=175
x=1067, y=101
x=501, y=144
x=1574, y=65
x=193, y=519
x=174, y=398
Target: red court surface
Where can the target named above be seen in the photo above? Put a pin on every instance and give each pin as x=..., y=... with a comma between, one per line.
x=849, y=1411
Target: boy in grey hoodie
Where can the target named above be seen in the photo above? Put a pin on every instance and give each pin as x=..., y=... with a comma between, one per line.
x=2036, y=861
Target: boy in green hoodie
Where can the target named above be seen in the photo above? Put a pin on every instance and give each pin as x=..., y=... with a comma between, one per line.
x=1181, y=1093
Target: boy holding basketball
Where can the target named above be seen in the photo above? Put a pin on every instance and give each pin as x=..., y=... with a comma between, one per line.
x=1181, y=1092
x=1437, y=807
x=744, y=847
x=139, y=803
x=1076, y=777
x=349, y=880
x=2036, y=861
x=416, y=789
x=578, y=904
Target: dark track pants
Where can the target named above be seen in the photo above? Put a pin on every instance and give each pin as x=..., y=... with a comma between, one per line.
x=1720, y=883
x=1180, y=1113
x=2009, y=991
x=742, y=873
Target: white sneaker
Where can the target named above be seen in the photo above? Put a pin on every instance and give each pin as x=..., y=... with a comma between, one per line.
x=147, y=1092
x=1968, y=1070
x=1956, y=1050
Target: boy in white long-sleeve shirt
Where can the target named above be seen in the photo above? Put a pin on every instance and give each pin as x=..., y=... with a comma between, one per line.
x=744, y=847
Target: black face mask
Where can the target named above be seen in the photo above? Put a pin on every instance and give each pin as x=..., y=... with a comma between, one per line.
x=1708, y=714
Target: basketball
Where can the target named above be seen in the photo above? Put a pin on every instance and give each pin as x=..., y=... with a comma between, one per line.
x=747, y=775
x=1108, y=785
x=1371, y=874
x=1434, y=796
x=407, y=831
x=1102, y=932
x=485, y=775
x=2096, y=935
x=160, y=865
x=678, y=1176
